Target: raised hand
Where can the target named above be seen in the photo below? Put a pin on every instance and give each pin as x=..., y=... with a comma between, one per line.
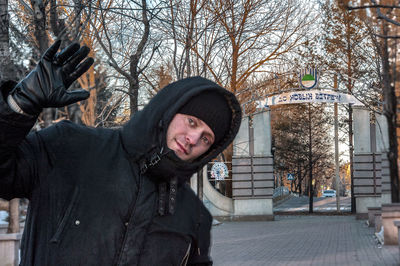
x=46, y=86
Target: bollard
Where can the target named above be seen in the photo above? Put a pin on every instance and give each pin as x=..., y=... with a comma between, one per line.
x=371, y=215
x=390, y=213
x=9, y=249
x=378, y=222
x=397, y=224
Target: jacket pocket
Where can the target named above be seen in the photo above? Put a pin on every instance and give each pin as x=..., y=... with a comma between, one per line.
x=66, y=217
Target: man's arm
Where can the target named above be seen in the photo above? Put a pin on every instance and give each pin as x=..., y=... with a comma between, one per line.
x=21, y=104
x=13, y=129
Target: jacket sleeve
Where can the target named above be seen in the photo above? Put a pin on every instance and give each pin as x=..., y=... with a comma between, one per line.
x=200, y=256
x=16, y=155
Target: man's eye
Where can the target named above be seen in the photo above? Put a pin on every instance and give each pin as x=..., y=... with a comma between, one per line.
x=191, y=121
x=206, y=140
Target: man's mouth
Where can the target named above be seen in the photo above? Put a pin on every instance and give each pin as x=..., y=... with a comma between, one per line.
x=181, y=148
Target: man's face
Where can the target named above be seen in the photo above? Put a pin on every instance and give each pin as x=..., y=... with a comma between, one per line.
x=189, y=137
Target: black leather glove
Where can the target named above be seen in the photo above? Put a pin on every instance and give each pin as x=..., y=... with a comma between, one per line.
x=46, y=86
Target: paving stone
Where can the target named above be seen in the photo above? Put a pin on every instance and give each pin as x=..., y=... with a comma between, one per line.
x=300, y=240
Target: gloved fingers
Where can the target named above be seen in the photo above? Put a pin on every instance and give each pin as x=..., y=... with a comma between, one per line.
x=66, y=53
x=52, y=50
x=70, y=97
x=75, y=59
x=79, y=70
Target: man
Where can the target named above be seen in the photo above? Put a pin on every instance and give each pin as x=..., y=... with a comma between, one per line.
x=111, y=197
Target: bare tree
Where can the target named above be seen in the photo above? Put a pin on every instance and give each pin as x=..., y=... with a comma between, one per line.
x=255, y=35
x=349, y=52
x=232, y=42
x=123, y=37
x=292, y=140
x=384, y=15
x=183, y=23
x=68, y=21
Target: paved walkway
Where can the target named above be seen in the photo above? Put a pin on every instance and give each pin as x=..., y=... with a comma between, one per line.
x=300, y=240
x=301, y=204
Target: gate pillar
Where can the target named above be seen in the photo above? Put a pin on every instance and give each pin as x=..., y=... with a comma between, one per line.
x=367, y=165
x=382, y=147
x=252, y=169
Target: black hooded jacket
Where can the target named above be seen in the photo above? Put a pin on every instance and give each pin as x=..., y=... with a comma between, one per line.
x=109, y=197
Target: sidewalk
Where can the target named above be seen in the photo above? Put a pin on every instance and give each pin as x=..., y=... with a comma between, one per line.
x=300, y=240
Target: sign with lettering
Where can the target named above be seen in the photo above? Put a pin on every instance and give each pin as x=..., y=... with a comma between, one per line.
x=310, y=96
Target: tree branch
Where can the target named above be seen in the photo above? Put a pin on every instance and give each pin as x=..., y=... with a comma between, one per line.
x=387, y=36
x=370, y=6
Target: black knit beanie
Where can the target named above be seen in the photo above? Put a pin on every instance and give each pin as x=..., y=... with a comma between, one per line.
x=212, y=108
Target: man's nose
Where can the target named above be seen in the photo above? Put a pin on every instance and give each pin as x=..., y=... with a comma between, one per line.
x=193, y=137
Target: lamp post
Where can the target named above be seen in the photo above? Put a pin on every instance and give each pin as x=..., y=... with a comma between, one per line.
x=310, y=184
x=273, y=149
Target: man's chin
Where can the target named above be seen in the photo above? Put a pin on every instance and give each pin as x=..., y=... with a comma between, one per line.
x=182, y=156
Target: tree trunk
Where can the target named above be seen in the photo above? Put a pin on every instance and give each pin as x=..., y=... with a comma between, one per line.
x=4, y=36
x=134, y=95
x=390, y=113
x=134, y=64
x=42, y=43
x=228, y=158
x=13, y=225
x=4, y=205
x=5, y=61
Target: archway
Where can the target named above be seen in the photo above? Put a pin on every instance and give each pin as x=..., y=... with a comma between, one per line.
x=252, y=163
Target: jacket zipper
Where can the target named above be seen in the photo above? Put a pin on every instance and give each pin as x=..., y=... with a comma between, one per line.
x=60, y=229
x=131, y=212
